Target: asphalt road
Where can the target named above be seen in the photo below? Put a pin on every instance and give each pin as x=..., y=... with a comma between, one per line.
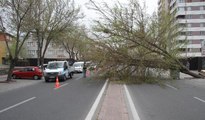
x=42, y=101
x=176, y=100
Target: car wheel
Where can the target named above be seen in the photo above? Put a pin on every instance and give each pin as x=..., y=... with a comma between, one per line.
x=46, y=80
x=35, y=77
x=14, y=76
x=64, y=78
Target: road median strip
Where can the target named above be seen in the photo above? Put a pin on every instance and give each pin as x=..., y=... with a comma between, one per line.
x=93, y=110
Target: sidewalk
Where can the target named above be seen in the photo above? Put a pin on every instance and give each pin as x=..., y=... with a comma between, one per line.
x=114, y=106
x=3, y=78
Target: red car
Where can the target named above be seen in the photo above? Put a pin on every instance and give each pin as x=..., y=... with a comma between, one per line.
x=27, y=72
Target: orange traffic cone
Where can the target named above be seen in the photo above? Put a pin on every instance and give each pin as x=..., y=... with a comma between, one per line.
x=57, y=85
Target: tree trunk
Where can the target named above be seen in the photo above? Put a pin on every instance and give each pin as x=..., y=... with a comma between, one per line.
x=11, y=67
x=188, y=72
x=42, y=62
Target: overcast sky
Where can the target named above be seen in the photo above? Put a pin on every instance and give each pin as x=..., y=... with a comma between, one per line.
x=90, y=15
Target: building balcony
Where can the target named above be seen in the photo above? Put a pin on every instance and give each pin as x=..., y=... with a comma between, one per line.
x=191, y=54
x=191, y=46
x=191, y=37
x=190, y=20
x=194, y=29
x=191, y=4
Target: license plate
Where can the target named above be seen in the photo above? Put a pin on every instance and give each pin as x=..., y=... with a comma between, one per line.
x=52, y=77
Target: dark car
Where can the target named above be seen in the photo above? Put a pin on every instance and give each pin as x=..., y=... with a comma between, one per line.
x=27, y=72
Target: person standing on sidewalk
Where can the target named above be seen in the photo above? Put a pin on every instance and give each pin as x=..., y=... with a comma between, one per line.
x=84, y=69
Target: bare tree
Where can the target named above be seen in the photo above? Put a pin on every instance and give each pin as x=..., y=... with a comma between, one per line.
x=51, y=18
x=16, y=12
x=129, y=41
x=74, y=41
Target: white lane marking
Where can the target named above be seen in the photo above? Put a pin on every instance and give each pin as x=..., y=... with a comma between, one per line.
x=61, y=86
x=171, y=87
x=8, y=108
x=200, y=99
x=131, y=104
x=96, y=103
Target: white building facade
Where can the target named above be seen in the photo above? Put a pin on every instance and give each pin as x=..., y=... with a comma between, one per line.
x=191, y=15
x=53, y=52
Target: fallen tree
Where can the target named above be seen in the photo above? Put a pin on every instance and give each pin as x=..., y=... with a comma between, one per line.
x=127, y=36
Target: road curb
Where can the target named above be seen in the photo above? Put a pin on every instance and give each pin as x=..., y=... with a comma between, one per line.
x=95, y=109
x=133, y=115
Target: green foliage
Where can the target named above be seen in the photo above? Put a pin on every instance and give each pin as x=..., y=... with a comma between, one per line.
x=75, y=41
x=129, y=41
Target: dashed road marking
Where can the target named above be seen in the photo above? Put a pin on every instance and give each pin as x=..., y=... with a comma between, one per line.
x=61, y=86
x=171, y=86
x=200, y=99
x=20, y=103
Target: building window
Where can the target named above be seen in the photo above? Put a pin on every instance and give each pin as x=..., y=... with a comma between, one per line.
x=201, y=7
x=189, y=16
x=202, y=32
x=181, y=1
x=189, y=33
x=50, y=52
x=182, y=33
x=181, y=9
x=195, y=49
x=182, y=49
x=32, y=52
x=30, y=44
x=201, y=16
x=189, y=8
x=202, y=25
x=182, y=25
x=202, y=42
x=189, y=25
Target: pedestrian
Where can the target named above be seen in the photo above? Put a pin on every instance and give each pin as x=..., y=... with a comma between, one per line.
x=84, y=70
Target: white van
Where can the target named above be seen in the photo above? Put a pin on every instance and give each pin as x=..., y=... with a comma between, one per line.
x=78, y=67
x=58, y=68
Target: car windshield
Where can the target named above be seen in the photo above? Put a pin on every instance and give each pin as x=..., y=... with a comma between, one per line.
x=55, y=65
x=78, y=64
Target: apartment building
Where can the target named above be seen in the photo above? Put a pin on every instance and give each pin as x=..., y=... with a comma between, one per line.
x=54, y=52
x=191, y=15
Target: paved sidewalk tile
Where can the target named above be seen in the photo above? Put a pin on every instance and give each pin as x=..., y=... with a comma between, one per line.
x=114, y=106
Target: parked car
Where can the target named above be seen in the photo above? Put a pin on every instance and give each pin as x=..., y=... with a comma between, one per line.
x=78, y=67
x=62, y=69
x=27, y=72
